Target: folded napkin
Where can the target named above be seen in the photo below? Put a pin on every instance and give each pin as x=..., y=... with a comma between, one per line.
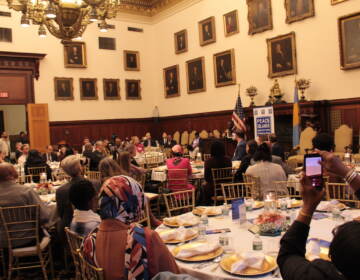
x=313, y=249
x=185, y=219
x=249, y=259
x=180, y=233
x=211, y=210
x=197, y=249
x=327, y=205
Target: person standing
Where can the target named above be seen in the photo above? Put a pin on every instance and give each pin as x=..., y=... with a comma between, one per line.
x=240, y=150
x=5, y=145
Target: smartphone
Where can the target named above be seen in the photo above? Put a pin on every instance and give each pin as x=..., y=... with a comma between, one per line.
x=313, y=169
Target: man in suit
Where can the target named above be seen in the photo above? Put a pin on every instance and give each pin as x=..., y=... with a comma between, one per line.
x=63, y=89
x=207, y=33
x=180, y=42
x=223, y=72
x=169, y=143
x=133, y=89
x=111, y=90
x=50, y=155
x=230, y=24
x=97, y=155
x=240, y=150
x=196, y=81
x=281, y=59
x=74, y=55
x=171, y=84
x=276, y=148
x=131, y=60
x=260, y=15
x=150, y=142
x=88, y=89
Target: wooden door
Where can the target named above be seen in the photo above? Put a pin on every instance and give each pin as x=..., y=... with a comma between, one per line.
x=38, y=122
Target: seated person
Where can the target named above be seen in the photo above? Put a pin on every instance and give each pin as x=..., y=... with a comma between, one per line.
x=251, y=147
x=14, y=194
x=96, y=156
x=109, y=168
x=34, y=159
x=129, y=169
x=24, y=154
x=179, y=162
x=111, y=246
x=217, y=160
x=18, y=150
x=50, y=155
x=2, y=157
x=131, y=149
x=83, y=197
x=345, y=247
x=276, y=148
x=149, y=142
x=139, y=146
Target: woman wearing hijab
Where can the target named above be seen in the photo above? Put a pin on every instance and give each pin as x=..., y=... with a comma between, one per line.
x=124, y=249
x=34, y=159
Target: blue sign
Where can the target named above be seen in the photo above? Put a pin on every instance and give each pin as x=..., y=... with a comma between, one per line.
x=263, y=125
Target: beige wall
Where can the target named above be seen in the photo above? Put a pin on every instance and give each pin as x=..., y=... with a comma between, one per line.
x=317, y=51
x=14, y=118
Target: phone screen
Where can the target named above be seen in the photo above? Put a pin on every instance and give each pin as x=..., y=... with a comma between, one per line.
x=313, y=166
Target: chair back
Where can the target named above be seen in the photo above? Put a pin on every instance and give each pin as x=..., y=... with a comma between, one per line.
x=204, y=134
x=179, y=201
x=306, y=137
x=20, y=224
x=176, y=136
x=207, y=156
x=36, y=171
x=256, y=189
x=25, y=179
x=89, y=271
x=93, y=175
x=287, y=189
x=184, y=138
x=152, y=161
x=341, y=192
x=236, y=190
x=220, y=176
x=343, y=137
x=145, y=217
x=177, y=179
x=192, y=136
x=60, y=175
x=217, y=133
x=292, y=164
x=74, y=242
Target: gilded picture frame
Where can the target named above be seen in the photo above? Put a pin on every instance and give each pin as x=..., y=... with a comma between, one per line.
x=297, y=10
x=181, y=41
x=196, y=80
x=131, y=60
x=231, y=23
x=88, y=89
x=207, y=31
x=75, y=55
x=133, y=89
x=111, y=89
x=259, y=16
x=334, y=2
x=64, y=88
x=224, y=68
x=171, y=81
x=349, y=41
x=282, y=55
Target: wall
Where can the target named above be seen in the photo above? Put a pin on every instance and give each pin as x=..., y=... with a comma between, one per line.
x=14, y=118
x=317, y=55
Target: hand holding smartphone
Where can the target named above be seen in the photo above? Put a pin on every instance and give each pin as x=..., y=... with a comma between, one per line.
x=313, y=170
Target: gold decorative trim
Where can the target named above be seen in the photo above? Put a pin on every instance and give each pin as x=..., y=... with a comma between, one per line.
x=146, y=7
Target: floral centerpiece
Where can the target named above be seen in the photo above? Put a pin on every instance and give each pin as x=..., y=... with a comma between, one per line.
x=45, y=188
x=270, y=224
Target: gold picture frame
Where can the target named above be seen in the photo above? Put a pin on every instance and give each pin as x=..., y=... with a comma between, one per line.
x=88, y=89
x=334, y=2
x=111, y=89
x=181, y=41
x=259, y=21
x=231, y=23
x=196, y=80
x=64, y=88
x=224, y=68
x=130, y=94
x=75, y=54
x=296, y=12
x=131, y=60
x=349, y=36
x=207, y=31
x=171, y=81
x=282, y=55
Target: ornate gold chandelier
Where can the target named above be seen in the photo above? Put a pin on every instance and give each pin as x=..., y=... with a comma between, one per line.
x=65, y=19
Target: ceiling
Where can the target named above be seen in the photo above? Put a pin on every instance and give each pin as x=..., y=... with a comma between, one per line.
x=146, y=7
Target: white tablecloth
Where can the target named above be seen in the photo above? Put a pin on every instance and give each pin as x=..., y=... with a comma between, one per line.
x=241, y=240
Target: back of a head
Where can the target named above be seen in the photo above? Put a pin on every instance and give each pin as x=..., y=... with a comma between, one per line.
x=262, y=153
x=240, y=134
x=124, y=162
x=71, y=165
x=130, y=148
x=7, y=172
x=345, y=250
x=217, y=149
x=81, y=193
x=88, y=147
x=273, y=138
x=109, y=168
x=323, y=142
x=252, y=144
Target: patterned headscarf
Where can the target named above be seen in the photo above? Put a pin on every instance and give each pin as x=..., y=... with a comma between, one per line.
x=121, y=198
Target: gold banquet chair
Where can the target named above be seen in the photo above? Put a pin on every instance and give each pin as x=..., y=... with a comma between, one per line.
x=179, y=201
x=144, y=216
x=192, y=136
x=236, y=190
x=343, y=137
x=74, y=241
x=25, y=179
x=93, y=175
x=341, y=192
x=176, y=137
x=22, y=223
x=184, y=138
x=256, y=189
x=220, y=176
x=287, y=189
x=206, y=157
x=89, y=271
x=36, y=171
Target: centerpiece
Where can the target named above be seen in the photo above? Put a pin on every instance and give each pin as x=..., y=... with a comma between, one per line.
x=270, y=224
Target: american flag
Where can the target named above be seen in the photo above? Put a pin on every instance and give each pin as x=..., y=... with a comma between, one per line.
x=238, y=116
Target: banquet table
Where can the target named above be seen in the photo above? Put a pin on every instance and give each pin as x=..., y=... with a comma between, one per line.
x=241, y=240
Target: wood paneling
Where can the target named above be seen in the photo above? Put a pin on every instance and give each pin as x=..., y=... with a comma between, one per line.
x=18, y=84
x=38, y=121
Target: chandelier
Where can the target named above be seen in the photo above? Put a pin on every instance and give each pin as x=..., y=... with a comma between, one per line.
x=65, y=19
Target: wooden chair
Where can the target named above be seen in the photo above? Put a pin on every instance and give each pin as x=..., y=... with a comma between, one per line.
x=220, y=176
x=179, y=201
x=59, y=175
x=236, y=190
x=292, y=163
x=343, y=137
x=93, y=175
x=184, y=138
x=177, y=179
x=25, y=179
x=74, y=241
x=217, y=133
x=287, y=189
x=192, y=136
x=256, y=190
x=21, y=224
x=176, y=136
x=206, y=157
x=145, y=217
x=3, y=266
x=204, y=134
x=341, y=192
x=89, y=271
x=36, y=171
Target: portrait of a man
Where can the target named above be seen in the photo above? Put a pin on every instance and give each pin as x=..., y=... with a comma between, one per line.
x=181, y=41
x=224, y=68
x=207, y=31
x=196, y=75
x=74, y=55
x=111, y=89
x=88, y=89
x=282, y=55
x=259, y=16
x=171, y=81
x=299, y=9
x=63, y=88
x=131, y=60
x=133, y=89
x=231, y=23
x=349, y=33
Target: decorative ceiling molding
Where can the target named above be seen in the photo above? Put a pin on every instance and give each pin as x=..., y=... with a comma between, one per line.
x=146, y=7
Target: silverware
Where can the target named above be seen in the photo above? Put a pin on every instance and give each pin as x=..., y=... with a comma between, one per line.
x=217, y=261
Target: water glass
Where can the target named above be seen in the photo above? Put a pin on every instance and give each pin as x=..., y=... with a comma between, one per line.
x=249, y=204
x=202, y=232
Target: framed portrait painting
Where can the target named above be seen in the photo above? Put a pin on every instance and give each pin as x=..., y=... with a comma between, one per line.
x=111, y=89
x=181, y=42
x=224, y=68
x=131, y=60
x=133, y=89
x=334, y=2
x=207, y=31
x=171, y=81
x=231, y=23
x=88, y=89
x=259, y=16
x=195, y=75
x=64, y=89
x=349, y=36
x=299, y=9
x=282, y=55
x=75, y=55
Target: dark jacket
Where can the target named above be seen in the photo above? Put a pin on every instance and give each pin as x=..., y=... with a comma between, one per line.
x=95, y=158
x=245, y=163
x=38, y=162
x=277, y=150
x=151, y=143
x=53, y=157
x=215, y=163
x=240, y=151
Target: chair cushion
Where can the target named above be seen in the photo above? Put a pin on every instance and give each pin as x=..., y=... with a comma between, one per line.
x=32, y=250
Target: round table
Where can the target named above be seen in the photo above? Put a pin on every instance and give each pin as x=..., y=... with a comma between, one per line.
x=241, y=240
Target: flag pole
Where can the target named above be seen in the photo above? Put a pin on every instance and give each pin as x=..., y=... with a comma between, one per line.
x=239, y=89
